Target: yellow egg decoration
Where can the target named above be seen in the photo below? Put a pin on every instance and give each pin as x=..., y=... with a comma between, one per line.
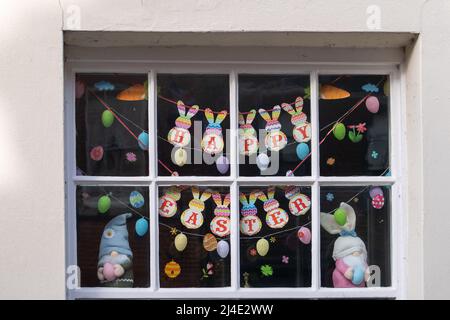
x=172, y=269
x=181, y=242
x=180, y=157
x=209, y=242
x=262, y=247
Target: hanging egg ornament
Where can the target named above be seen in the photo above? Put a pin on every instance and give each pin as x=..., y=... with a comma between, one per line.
x=339, y=131
x=373, y=192
x=223, y=248
x=304, y=235
x=97, y=153
x=209, y=242
x=143, y=140
x=302, y=150
x=223, y=164
x=141, y=227
x=262, y=247
x=103, y=204
x=340, y=216
x=172, y=269
x=107, y=118
x=136, y=199
x=179, y=157
x=372, y=104
x=262, y=161
x=181, y=242
x=378, y=201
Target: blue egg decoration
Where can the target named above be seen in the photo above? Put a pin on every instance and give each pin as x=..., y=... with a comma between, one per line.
x=143, y=140
x=136, y=199
x=302, y=151
x=141, y=227
x=358, y=276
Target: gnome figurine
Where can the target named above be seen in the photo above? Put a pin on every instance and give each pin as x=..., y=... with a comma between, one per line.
x=115, y=259
x=349, y=250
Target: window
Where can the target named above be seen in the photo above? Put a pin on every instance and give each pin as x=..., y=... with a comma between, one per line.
x=227, y=182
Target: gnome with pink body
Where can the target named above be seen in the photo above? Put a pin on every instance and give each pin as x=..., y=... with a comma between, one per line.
x=349, y=252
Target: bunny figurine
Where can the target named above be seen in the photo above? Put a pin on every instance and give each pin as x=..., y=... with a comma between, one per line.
x=275, y=139
x=349, y=250
x=192, y=218
x=179, y=135
x=276, y=217
x=302, y=129
x=168, y=202
x=212, y=142
x=250, y=223
x=220, y=224
x=248, y=141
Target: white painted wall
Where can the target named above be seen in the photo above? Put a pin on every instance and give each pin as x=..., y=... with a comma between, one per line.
x=31, y=115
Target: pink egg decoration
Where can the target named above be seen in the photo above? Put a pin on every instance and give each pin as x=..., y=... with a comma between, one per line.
x=97, y=153
x=80, y=88
x=375, y=191
x=304, y=235
x=372, y=104
x=108, y=272
x=378, y=201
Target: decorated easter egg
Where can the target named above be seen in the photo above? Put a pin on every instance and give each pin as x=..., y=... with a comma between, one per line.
x=250, y=225
x=108, y=272
x=209, y=242
x=222, y=164
x=262, y=247
x=302, y=150
x=339, y=131
x=220, y=226
x=136, y=199
x=340, y=216
x=275, y=140
x=262, y=161
x=179, y=157
x=192, y=219
x=223, y=248
x=97, y=153
x=372, y=104
x=302, y=133
x=107, y=118
x=378, y=201
x=172, y=269
x=141, y=227
x=167, y=207
x=181, y=242
x=299, y=204
x=304, y=235
x=277, y=218
x=179, y=137
x=103, y=204
x=375, y=191
x=143, y=140
x=248, y=145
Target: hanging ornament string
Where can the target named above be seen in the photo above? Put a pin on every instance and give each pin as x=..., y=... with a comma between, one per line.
x=188, y=233
x=130, y=121
x=165, y=167
x=275, y=233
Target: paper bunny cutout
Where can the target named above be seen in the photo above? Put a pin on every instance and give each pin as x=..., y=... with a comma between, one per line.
x=275, y=139
x=220, y=224
x=212, y=142
x=168, y=202
x=276, y=217
x=302, y=129
x=250, y=223
x=192, y=218
x=349, y=252
x=248, y=141
x=179, y=135
x=299, y=204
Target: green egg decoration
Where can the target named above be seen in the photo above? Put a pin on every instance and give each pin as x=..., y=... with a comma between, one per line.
x=103, y=204
x=340, y=216
x=107, y=118
x=339, y=131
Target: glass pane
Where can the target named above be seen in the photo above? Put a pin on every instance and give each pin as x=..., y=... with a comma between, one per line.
x=112, y=236
x=275, y=239
x=112, y=124
x=194, y=227
x=355, y=236
x=193, y=125
x=354, y=125
x=275, y=128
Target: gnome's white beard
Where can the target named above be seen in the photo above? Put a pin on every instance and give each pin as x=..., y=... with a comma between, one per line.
x=355, y=261
x=118, y=259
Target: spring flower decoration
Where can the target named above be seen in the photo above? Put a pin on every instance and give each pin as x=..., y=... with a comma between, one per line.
x=212, y=142
x=355, y=133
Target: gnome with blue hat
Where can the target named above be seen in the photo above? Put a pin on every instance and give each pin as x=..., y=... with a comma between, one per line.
x=115, y=259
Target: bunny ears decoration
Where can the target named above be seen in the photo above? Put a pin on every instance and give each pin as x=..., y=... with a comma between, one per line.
x=220, y=224
x=192, y=218
x=250, y=223
x=248, y=141
x=275, y=139
x=212, y=142
x=343, y=220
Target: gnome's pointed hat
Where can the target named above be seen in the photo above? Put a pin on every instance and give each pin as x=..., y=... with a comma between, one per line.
x=115, y=237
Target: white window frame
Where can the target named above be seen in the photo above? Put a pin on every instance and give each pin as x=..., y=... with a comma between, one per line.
x=396, y=150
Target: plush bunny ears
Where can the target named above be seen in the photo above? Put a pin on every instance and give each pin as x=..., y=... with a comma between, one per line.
x=328, y=222
x=250, y=117
x=209, y=114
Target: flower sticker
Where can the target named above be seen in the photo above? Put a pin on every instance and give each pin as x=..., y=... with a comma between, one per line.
x=131, y=157
x=370, y=87
x=104, y=86
x=266, y=270
x=356, y=134
x=273, y=239
x=253, y=252
x=285, y=259
x=330, y=196
x=331, y=161
x=374, y=154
